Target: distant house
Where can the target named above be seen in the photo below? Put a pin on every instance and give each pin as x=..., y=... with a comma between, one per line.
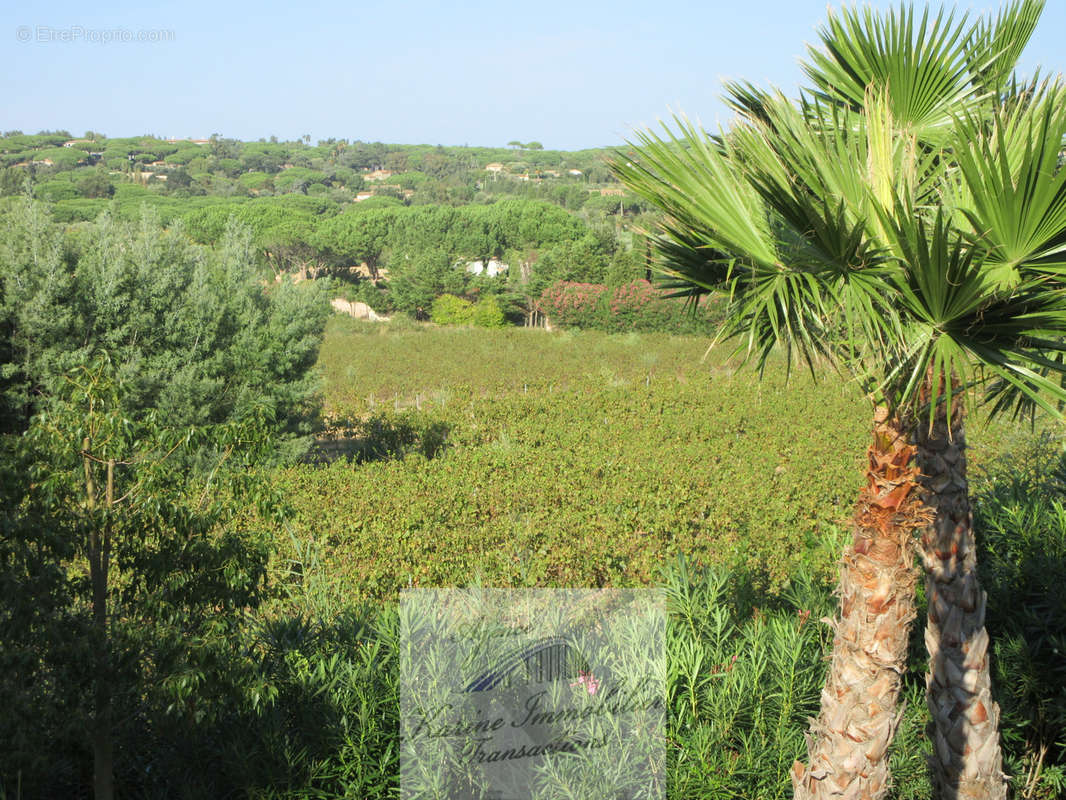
x=361, y=196
x=494, y=167
x=73, y=142
x=576, y=172
x=493, y=268
x=378, y=175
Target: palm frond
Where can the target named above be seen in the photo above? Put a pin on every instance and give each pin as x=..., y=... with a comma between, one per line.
x=922, y=65
x=995, y=46
x=718, y=233
x=905, y=218
x=962, y=332
x=692, y=180
x=1004, y=397
x=1017, y=187
x=746, y=99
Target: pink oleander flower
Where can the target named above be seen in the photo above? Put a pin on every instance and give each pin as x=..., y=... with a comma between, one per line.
x=588, y=681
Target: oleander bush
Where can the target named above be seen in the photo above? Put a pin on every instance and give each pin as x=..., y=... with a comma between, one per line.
x=635, y=306
x=1020, y=517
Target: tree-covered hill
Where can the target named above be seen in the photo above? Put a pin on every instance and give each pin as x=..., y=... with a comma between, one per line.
x=342, y=170
x=397, y=225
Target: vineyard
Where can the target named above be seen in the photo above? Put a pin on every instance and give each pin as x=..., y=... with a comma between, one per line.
x=524, y=458
x=578, y=459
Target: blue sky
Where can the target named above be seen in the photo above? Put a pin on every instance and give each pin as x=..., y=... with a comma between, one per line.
x=568, y=74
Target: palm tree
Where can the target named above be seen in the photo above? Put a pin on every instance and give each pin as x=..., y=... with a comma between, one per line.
x=904, y=220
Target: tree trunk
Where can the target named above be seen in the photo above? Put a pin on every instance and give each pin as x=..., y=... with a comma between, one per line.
x=967, y=761
x=848, y=743
x=99, y=565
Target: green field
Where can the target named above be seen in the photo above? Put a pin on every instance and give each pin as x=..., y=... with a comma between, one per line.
x=526, y=458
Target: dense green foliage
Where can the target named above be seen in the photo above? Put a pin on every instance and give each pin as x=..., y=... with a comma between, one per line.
x=193, y=334
x=143, y=378
x=182, y=576
x=451, y=310
x=1022, y=516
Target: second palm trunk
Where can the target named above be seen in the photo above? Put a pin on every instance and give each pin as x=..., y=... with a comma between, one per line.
x=967, y=762
x=848, y=743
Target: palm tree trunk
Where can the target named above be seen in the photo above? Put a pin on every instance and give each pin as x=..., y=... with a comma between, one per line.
x=848, y=743
x=967, y=761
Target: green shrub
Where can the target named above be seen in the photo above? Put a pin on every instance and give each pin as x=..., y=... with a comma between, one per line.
x=54, y=191
x=1020, y=519
x=488, y=314
x=256, y=180
x=451, y=310
x=81, y=209
x=95, y=184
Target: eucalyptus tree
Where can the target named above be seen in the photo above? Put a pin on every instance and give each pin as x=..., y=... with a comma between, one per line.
x=905, y=220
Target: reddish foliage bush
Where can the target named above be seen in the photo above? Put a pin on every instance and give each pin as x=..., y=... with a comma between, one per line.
x=636, y=306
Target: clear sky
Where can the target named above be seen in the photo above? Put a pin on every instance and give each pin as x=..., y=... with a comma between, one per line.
x=568, y=74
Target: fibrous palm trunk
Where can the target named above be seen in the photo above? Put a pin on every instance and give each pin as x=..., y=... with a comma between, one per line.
x=967, y=761
x=848, y=743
